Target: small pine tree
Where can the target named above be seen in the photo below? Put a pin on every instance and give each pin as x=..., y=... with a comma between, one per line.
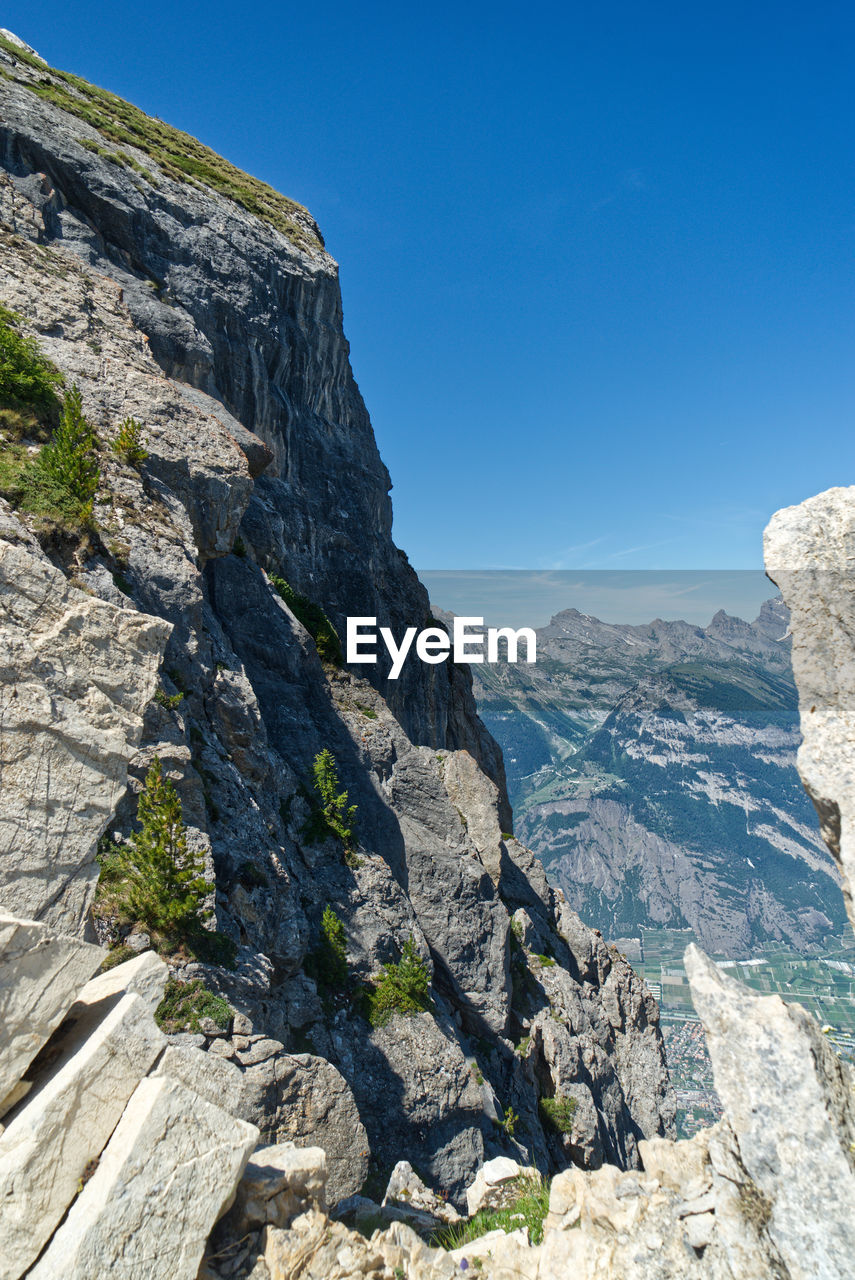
x=165, y=882
x=67, y=468
x=338, y=817
x=26, y=377
x=401, y=988
x=128, y=443
x=330, y=958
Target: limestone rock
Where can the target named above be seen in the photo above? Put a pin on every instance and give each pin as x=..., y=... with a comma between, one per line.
x=163, y=1180
x=40, y=976
x=790, y=1102
x=65, y=1122
x=279, y=1183
x=75, y=676
x=408, y=1195
x=491, y=1183
x=212, y=1078
x=808, y=551
x=145, y=976
x=304, y=1099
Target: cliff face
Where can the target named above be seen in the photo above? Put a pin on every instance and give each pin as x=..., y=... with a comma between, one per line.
x=174, y=290
x=251, y=315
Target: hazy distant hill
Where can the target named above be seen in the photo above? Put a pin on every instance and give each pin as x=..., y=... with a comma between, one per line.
x=652, y=768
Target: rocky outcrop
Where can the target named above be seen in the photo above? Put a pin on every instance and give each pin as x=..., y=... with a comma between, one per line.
x=76, y=674
x=766, y=1194
x=246, y=314
x=110, y=1164
x=809, y=554
x=219, y=329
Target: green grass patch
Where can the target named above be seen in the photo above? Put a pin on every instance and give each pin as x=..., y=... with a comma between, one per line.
x=116, y=955
x=557, y=1113
x=527, y=1208
x=185, y=1004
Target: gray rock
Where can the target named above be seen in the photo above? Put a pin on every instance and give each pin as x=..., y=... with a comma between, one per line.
x=164, y=1178
x=76, y=675
x=65, y=1122
x=808, y=553
x=789, y=1100
x=40, y=976
x=304, y=1099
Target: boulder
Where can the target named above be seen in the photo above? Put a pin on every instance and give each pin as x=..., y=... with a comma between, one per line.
x=809, y=551
x=495, y=1184
x=790, y=1103
x=304, y=1099
x=414, y=1202
x=40, y=976
x=161, y=1183
x=211, y=1077
x=52, y=1141
x=279, y=1183
x=145, y=976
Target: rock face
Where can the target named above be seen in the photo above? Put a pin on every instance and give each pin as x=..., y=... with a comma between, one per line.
x=218, y=327
x=808, y=551
x=109, y=1165
x=534, y=1045
x=77, y=674
x=766, y=1194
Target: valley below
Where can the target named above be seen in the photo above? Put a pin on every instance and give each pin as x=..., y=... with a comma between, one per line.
x=652, y=769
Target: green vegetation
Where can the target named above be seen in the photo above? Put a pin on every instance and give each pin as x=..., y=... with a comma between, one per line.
x=154, y=878
x=334, y=817
x=401, y=988
x=315, y=621
x=177, y=154
x=186, y=1004
x=368, y=712
x=161, y=697
x=508, y=1122
x=28, y=382
x=528, y=1208
x=66, y=470
x=116, y=955
x=128, y=443
x=557, y=1113
x=58, y=485
x=329, y=959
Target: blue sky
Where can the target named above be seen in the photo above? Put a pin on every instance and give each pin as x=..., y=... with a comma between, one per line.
x=596, y=261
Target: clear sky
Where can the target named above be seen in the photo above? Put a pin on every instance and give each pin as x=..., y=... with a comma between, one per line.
x=596, y=260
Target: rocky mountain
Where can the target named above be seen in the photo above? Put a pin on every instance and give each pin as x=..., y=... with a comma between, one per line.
x=197, y=313
x=652, y=769
x=190, y=619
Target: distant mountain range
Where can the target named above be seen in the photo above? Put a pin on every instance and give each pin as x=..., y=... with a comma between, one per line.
x=652, y=769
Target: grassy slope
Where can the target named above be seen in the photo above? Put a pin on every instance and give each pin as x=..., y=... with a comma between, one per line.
x=177, y=155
